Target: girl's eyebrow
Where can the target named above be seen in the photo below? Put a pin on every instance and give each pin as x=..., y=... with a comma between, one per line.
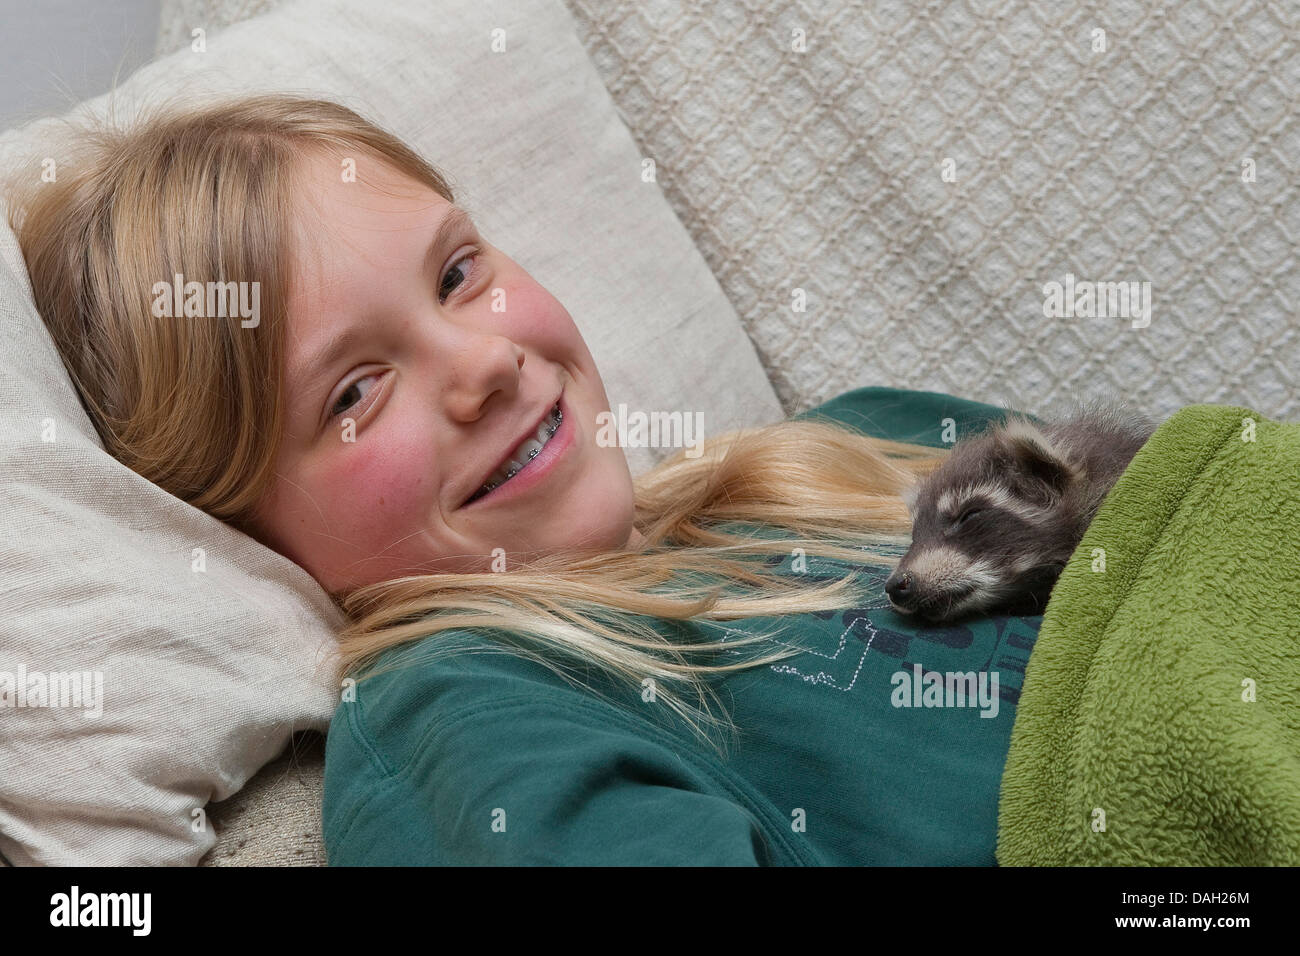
x=453, y=223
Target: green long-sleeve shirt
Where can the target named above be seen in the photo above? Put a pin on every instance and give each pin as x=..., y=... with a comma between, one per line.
x=841, y=756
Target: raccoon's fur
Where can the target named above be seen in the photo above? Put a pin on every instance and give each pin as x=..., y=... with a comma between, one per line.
x=993, y=527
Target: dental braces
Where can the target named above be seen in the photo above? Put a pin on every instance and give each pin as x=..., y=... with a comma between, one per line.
x=559, y=420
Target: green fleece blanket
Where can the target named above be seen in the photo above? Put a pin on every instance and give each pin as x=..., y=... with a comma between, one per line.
x=1159, y=723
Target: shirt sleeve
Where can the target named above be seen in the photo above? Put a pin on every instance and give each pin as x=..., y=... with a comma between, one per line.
x=905, y=415
x=543, y=782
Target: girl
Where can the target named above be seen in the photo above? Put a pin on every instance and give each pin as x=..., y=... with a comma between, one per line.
x=537, y=641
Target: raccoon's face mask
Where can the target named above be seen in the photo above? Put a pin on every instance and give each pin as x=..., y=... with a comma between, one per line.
x=991, y=528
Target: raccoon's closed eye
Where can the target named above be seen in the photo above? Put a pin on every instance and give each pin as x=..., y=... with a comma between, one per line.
x=966, y=516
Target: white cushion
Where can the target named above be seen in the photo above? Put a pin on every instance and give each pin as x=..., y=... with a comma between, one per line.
x=206, y=674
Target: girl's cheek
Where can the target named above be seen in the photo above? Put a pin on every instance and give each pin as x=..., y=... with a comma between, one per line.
x=536, y=316
x=380, y=483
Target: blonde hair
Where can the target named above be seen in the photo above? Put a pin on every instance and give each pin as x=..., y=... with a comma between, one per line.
x=196, y=408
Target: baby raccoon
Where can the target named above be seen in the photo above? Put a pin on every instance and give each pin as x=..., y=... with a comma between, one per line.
x=995, y=525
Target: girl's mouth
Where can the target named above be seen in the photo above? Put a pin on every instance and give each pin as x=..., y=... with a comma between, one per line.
x=530, y=461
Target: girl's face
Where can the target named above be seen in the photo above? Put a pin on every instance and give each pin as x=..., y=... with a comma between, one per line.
x=413, y=371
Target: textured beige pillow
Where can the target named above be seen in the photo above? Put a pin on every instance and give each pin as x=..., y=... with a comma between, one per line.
x=806, y=145
x=205, y=674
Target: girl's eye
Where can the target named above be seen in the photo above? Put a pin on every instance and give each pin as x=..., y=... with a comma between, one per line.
x=347, y=399
x=444, y=289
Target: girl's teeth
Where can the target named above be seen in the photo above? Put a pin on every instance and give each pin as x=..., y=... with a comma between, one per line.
x=530, y=448
x=526, y=452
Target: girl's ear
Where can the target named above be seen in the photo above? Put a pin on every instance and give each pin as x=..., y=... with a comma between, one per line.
x=1043, y=470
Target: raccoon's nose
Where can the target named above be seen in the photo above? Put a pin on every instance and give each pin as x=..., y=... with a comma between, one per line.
x=899, y=588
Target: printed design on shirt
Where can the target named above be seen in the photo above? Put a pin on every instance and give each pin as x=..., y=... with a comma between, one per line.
x=999, y=643
x=853, y=654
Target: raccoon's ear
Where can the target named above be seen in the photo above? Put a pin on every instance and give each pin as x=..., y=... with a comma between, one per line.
x=1035, y=458
x=910, y=495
